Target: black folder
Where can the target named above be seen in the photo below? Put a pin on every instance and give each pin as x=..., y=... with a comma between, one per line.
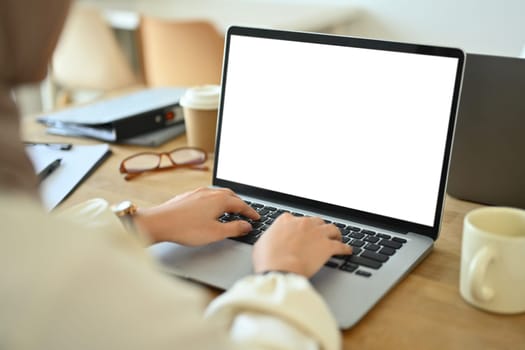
x=120, y=118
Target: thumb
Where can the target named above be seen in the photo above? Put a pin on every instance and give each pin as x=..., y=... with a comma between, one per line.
x=235, y=228
x=339, y=248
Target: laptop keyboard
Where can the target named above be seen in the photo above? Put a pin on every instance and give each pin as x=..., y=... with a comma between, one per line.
x=371, y=249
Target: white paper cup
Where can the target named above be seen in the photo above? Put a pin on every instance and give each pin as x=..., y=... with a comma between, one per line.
x=200, y=105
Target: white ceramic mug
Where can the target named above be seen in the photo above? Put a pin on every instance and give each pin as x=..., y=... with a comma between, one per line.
x=492, y=273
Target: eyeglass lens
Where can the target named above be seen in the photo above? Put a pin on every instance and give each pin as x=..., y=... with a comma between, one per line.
x=142, y=162
x=188, y=156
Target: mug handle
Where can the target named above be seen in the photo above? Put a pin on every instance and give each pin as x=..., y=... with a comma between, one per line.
x=477, y=271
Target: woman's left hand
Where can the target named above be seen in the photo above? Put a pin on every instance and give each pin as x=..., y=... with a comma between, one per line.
x=192, y=218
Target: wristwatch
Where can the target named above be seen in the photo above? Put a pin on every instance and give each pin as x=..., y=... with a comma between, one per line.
x=125, y=211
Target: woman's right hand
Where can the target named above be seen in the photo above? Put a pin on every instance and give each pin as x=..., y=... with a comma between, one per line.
x=297, y=244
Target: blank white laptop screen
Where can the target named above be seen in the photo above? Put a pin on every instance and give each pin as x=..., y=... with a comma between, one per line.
x=360, y=128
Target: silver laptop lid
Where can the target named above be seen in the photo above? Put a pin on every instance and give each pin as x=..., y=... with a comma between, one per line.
x=352, y=127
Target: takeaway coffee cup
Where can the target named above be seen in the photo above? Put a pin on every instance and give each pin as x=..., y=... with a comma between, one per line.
x=200, y=106
x=492, y=275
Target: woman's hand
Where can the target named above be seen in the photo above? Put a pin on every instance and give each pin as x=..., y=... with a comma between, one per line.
x=192, y=218
x=297, y=244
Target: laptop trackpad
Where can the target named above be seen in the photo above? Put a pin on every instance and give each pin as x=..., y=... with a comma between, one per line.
x=218, y=264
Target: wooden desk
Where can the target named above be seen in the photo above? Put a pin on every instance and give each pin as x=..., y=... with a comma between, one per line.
x=425, y=311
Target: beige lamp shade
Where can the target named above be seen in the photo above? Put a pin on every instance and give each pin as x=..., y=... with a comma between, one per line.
x=88, y=55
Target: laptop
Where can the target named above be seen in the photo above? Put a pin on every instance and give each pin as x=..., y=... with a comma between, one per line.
x=355, y=131
x=489, y=147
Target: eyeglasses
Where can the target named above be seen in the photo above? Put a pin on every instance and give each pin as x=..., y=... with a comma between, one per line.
x=184, y=157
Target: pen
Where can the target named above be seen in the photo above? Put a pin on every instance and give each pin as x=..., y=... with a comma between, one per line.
x=57, y=146
x=49, y=169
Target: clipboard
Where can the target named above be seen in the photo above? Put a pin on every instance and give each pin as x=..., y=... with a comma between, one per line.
x=77, y=163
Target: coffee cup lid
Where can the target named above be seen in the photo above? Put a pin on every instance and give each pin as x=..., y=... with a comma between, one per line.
x=201, y=97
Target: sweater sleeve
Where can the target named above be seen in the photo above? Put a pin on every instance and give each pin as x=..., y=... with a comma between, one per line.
x=277, y=310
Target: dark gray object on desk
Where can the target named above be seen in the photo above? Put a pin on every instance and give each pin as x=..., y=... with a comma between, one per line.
x=488, y=155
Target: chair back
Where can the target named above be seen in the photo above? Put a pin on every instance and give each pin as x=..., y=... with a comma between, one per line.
x=180, y=53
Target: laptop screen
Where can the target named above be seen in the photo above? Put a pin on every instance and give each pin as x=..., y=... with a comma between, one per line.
x=356, y=127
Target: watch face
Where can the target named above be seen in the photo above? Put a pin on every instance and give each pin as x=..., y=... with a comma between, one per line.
x=122, y=206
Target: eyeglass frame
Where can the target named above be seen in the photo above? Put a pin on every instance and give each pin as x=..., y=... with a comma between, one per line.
x=196, y=166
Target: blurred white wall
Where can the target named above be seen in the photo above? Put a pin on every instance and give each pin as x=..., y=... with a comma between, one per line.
x=481, y=26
